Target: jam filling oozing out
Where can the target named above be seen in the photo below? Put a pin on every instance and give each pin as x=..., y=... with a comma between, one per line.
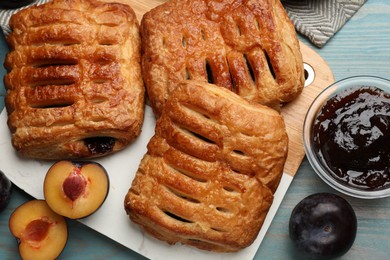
x=352, y=137
x=100, y=145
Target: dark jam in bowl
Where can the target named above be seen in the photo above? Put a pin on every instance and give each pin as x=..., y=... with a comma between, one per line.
x=351, y=135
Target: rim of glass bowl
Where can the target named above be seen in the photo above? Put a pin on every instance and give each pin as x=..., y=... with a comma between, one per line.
x=314, y=109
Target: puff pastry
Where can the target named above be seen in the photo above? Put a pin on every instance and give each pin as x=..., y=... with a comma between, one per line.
x=249, y=47
x=74, y=79
x=210, y=171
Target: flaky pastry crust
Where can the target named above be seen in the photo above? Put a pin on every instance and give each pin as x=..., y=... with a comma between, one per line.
x=74, y=82
x=249, y=47
x=210, y=171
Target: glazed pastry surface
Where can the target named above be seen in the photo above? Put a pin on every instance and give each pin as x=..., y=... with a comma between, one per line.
x=210, y=171
x=74, y=82
x=248, y=47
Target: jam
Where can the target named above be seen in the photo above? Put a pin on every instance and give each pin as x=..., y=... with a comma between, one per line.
x=352, y=137
x=100, y=145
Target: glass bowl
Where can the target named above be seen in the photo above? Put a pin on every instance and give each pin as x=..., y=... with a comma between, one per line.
x=314, y=150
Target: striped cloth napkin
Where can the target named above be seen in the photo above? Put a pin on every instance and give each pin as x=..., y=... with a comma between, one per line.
x=5, y=15
x=318, y=20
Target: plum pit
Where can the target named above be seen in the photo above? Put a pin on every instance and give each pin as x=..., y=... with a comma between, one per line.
x=74, y=185
x=37, y=230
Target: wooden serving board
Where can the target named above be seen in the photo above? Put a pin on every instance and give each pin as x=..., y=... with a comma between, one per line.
x=294, y=113
x=111, y=219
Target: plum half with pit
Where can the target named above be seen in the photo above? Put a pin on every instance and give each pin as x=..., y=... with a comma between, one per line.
x=41, y=233
x=76, y=189
x=5, y=191
x=323, y=225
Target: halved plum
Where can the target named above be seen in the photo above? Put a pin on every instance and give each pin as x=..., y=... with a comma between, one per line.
x=76, y=189
x=41, y=233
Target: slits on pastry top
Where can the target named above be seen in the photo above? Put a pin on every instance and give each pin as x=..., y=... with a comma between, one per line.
x=210, y=123
x=72, y=22
x=249, y=47
x=180, y=198
x=211, y=169
x=75, y=64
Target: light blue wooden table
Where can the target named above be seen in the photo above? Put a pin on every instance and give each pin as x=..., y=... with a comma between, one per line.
x=362, y=47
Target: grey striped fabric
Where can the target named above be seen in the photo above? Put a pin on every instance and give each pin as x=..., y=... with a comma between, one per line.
x=5, y=15
x=319, y=20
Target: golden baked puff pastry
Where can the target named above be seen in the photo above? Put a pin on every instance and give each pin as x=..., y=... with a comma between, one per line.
x=249, y=47
x=74, y=79
x=210, y=171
